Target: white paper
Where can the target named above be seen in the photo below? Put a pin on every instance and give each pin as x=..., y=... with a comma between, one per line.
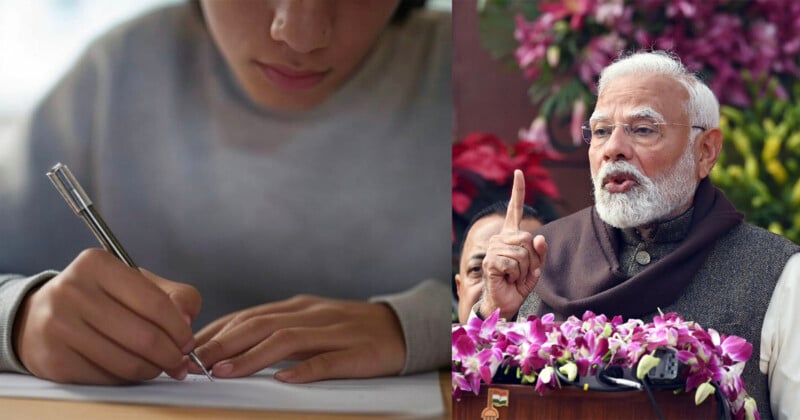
x=413, y=396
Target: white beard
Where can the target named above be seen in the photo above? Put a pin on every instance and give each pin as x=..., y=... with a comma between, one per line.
x=649, y=200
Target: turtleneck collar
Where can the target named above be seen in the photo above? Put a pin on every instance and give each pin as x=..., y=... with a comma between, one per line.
x=673, y=230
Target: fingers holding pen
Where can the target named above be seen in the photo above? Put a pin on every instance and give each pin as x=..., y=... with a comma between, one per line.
x=186, y=299
x=137, y=336
x=145, y=315
x=141, y=297
x=109, y=357
x=44, y=343
x=110, y=315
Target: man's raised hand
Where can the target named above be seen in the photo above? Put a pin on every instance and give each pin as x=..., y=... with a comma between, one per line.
x=513, y=259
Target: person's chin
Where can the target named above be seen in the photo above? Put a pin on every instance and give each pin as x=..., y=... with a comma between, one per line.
x=616, y=210
x=289, y=102
x=609, y=199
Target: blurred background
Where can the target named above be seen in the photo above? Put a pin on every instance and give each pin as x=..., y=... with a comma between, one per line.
x=40, y=40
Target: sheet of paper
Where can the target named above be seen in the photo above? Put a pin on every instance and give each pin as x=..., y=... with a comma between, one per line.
x=414, y=395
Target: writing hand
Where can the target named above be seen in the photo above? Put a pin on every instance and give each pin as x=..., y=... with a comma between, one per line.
x=513, y=259
x=102, y=322
x=333, y=338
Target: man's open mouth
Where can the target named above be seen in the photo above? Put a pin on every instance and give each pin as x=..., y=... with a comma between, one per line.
x=620, y=182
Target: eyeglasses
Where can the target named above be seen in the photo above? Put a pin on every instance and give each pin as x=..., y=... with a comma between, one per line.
x=645, y=133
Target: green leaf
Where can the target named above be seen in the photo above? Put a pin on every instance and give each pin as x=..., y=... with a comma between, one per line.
x=496, y=24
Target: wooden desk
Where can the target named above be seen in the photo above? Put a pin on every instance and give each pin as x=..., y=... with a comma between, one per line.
x=573, y=403
x=33, y=408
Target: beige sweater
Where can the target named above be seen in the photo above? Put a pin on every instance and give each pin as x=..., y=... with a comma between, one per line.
x=350, y=200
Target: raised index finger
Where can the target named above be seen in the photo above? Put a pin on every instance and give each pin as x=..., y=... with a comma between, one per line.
x=514, y=211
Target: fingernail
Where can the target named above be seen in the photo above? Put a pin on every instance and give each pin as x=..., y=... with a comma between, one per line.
x=182, y=374
x=285, y=375
x=222, y=369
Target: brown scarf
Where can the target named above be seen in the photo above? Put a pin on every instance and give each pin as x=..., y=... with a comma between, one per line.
x=582, y=270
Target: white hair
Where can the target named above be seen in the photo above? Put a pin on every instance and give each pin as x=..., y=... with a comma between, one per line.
x=702, y=107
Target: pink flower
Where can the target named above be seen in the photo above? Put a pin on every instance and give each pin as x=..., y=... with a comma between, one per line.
x=536, y=135
x=528, y=339
x=576, y=9
x=537, y=346
x=681, y=8
x=600, y=52
x=477, y=360
x=463, y=346
x=482, y=332
x=578, y=117
x=534, y=38
x=736, y=348
x=546, y=380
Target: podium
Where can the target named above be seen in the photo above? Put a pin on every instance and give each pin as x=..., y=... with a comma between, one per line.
x=504, y=401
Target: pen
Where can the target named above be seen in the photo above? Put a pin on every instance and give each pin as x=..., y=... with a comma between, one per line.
x=81, y=204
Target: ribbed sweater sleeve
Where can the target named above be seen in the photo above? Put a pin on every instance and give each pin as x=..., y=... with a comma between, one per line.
x=426, y=324
x=13, y=289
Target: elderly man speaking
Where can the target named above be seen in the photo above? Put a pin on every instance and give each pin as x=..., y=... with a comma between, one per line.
x=660, y=235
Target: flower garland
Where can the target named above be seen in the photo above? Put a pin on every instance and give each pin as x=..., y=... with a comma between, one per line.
x=537, y=347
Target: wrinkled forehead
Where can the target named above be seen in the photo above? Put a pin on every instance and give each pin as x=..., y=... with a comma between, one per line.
x=652, y=96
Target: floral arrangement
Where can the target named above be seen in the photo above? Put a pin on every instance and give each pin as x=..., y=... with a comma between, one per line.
x=759, y=167
x=539, y=347
x=562, y=46
x=483, y=169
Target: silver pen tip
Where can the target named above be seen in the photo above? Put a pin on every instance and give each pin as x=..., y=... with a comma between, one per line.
x=199, y=362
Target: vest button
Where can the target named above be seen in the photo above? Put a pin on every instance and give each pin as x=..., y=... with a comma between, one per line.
x=643, y=258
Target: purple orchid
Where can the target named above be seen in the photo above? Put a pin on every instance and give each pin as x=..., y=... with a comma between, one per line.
x=720, y=39
x=535, y=348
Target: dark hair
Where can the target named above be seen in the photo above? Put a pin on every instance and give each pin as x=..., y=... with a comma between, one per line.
x=405, y=8
x=499, y=208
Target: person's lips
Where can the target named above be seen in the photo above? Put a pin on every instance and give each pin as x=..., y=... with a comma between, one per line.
x=619, y=182
x=290, y=79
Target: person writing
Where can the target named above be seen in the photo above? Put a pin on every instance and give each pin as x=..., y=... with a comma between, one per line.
x=279, y=159
x=660, y=236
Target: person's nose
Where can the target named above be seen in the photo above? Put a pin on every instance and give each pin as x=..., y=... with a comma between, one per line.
x=619, y=145
x=303, y=25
